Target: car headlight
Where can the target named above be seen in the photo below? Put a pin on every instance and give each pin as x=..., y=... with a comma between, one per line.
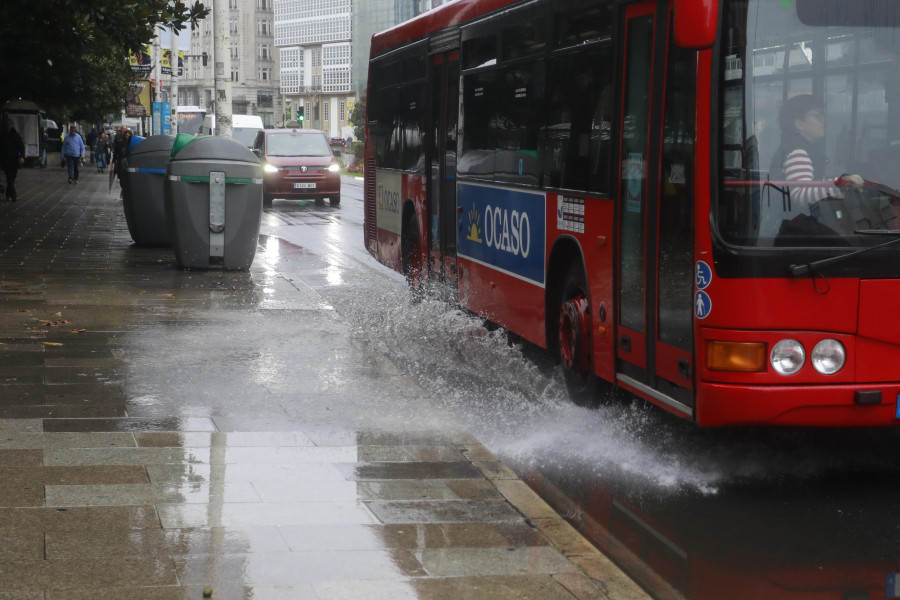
x=334, y=168
x=269, y=168
x=787, y=357
x=828, y=357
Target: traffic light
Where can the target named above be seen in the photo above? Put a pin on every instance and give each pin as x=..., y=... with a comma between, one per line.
x=300, y=115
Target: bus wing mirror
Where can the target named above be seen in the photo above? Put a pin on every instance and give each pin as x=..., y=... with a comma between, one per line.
x=695, y=23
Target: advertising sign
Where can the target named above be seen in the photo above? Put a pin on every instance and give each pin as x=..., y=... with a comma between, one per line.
x=140, y=60
x=166, y=64
x=504, y=229
x=388, y=206
x=137, y=100
x=157, y=118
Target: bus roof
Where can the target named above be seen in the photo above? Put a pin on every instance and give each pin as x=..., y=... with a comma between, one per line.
x=446, y=15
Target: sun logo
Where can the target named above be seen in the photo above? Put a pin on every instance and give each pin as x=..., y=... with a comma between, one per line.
x=474, y=221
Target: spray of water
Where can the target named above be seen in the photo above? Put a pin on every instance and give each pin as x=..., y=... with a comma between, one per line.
x=514, y=404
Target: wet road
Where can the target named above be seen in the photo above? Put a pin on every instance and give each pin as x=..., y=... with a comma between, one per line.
x=165, y=431
x=740, y=513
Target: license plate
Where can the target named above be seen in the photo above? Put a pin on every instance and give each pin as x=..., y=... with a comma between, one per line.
x=304, y=186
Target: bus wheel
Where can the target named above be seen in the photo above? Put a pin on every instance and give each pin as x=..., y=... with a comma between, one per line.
x=412, y=257
x=575, y=342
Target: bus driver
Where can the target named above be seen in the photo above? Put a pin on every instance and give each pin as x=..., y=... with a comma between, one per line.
x=800, y=160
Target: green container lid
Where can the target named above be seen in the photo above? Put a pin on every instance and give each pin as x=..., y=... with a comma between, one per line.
x=181, y=140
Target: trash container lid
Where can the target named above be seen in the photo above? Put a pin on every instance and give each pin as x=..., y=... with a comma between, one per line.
x=154, y=143
x=181, y=140
x=209, y=147
x=135, y=140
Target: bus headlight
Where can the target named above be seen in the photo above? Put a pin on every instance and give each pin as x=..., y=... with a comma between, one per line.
x=828, y=357
x=787, y=357
x=270, y=168
x=334, y=168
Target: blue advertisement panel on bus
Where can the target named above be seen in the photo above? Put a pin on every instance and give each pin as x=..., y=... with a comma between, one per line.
x=504, y=229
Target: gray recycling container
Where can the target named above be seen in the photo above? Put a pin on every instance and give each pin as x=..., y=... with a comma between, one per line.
x=143, y=177
x=213, y=201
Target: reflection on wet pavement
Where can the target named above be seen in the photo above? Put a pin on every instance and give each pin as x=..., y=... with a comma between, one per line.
x=166, y=431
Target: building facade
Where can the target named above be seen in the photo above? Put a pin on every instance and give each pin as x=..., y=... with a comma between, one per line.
x=314, y=41
x=324, y=52
x=370, y=17
x=429, y=4
x=254, y=63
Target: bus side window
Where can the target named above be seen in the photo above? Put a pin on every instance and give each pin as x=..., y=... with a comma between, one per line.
x=410, y=127
x=521, y=106
x=479, y=128
x=576, y=140
x=387, y=148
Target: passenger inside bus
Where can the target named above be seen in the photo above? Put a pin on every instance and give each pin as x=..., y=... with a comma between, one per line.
x=798, y=171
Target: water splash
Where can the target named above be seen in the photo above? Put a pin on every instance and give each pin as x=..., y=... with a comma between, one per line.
x=511, y=401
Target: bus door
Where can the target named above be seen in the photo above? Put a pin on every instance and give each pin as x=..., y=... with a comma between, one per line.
x=656, y=266
x=441, y=167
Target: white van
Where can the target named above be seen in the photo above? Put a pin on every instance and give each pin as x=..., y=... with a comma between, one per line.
x=243, y=127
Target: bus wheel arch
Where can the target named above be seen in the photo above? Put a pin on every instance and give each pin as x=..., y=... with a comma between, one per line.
x=569, y=324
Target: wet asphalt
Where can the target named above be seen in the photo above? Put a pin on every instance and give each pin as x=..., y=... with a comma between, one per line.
x=169, y=433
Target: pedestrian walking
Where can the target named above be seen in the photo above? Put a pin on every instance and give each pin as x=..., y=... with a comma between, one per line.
x=45, y=139
x=120, y=147
x=13, y=157
x=102, y=151
x=91, y=143
x=73, y=151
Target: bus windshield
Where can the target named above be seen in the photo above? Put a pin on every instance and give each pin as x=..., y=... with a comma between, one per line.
x=809, y=123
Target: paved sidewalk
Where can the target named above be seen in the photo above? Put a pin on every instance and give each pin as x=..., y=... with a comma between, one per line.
x=164, y=433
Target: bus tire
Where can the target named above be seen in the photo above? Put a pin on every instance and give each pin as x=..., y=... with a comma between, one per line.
x=575, y=340
x=411, y=249
x=267, y=200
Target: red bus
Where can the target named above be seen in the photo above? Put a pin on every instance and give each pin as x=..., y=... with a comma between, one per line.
x=624, y=184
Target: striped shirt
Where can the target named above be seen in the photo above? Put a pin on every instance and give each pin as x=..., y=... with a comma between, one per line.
x=798, y=167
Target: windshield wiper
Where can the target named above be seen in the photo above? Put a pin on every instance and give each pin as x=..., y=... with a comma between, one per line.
x=810, y=268
x=881, y=232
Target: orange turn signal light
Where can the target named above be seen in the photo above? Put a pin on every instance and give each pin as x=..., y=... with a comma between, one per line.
x=745, y=357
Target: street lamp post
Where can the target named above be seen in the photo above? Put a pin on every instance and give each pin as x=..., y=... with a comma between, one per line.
x=174, y=84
